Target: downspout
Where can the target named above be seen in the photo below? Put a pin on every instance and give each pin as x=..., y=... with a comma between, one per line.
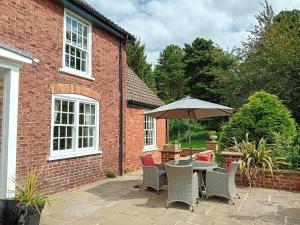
x=121, y=108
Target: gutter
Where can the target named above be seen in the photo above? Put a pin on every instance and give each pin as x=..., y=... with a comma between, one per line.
x=121, y=116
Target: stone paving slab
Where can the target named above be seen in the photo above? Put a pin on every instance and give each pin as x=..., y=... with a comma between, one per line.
x=116, y=201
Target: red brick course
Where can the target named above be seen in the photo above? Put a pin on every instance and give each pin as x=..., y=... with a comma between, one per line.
x=36, y=26
x=281, y=179
x=135, y=138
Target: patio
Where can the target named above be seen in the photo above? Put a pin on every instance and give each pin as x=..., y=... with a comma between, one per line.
x=116, y=201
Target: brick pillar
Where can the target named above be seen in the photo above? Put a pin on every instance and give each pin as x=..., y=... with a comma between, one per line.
x=228, y=157
x=168, y=155
x=212, y=145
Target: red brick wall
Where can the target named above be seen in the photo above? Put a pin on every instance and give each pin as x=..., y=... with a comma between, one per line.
x=37, y=26
x=281, y=179
x=135, y=138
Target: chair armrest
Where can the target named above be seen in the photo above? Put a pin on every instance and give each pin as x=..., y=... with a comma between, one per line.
x=213, y=175
x=219, y=169
x=160, y=166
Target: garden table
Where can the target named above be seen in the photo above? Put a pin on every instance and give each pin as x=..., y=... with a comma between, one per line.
x=201, y=167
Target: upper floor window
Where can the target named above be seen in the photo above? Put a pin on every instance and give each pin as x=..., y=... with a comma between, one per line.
x=77, y=45
x=149, y=133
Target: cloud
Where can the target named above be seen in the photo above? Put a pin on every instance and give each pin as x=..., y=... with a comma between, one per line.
x=159, y=23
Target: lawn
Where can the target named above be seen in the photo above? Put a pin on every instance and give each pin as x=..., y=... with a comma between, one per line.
x=195, y=144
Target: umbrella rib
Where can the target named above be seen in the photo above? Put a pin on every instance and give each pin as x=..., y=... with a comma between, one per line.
x=225, y=111
x=159, y=117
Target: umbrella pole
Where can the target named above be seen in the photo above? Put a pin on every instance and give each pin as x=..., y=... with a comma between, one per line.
x=190, y=140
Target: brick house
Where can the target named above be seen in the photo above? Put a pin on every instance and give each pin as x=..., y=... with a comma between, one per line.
x=144, y=135
x=62, y=85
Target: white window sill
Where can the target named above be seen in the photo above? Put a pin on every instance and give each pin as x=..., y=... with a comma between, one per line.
x=150, y=148
x=73, y=155
x=75, y=73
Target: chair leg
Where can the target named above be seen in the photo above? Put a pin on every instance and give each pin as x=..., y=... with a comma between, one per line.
x=237, y=194
x=191, y=208
x=141, y=187
x=157, y=192
x=232, y=202
x=167, y=206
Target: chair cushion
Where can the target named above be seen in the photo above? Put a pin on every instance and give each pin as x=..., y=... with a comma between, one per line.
x=148, y=160
x=204, y=157
x=229, y=167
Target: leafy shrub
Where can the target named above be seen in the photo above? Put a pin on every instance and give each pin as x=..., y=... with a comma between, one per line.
x=255, y=156
x=30, y=190
x=262, y=116
x=111, y=174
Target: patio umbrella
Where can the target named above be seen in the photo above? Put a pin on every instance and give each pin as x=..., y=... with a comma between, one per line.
x=190, y=108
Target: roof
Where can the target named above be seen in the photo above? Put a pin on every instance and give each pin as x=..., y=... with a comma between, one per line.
x=85, y=10
x=138, y=93
x=16, y=50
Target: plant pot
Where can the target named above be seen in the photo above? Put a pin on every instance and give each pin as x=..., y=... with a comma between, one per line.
x=33, y=217
x=213, y=137
x=172, y=147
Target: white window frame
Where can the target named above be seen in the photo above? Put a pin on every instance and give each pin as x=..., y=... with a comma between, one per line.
x=150, y=147
x=75, y=152
x=71, y=71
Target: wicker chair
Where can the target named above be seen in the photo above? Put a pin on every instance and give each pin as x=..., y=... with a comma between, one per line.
x=182, y=185
x=154, y=175
x=221, y=182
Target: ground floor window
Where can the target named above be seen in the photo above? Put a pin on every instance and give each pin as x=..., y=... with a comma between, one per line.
x=75, y=126
x=149, y=133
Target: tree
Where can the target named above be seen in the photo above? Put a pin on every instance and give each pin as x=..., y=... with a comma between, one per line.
x=136, y=60
x=274, y=65
x=169, y=74
x=263, y=116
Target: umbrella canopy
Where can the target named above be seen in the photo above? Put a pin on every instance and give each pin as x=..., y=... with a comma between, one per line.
x=190, y=108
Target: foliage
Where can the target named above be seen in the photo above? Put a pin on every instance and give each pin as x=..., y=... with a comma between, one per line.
x=30, y=190
x=255, y=156
x=262, y=116
x=212, y=133
x=272, y=64
x=199, y=144
x=136, y=60
x=169, y=74
x=111, y=174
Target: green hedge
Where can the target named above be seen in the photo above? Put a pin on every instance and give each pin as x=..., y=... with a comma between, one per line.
x=263, y=115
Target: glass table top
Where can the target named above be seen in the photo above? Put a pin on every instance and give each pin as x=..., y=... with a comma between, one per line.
x=197, y=165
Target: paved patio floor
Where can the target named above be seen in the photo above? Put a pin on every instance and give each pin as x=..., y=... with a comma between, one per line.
x=117, y=202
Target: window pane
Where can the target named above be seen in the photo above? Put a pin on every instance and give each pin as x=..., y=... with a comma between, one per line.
x=71, y=119
x=72, y=62
x=64, y=118
x=71, y=106
x=93, y=109
x=91, y=142
x=80, y=143
x=81, y=119
x=79, y=28
x=79, y=41
x=74, y=38
x=57, y=105
x=62, y=144
x=81, y=108
x=68, y=36
x=68, y=23
x=93, y=120
x=83, y=54
x=69, y=132
x=85, y=131
x=83, y=66
x=72, y=50
x=88, y=120
x=67, y=60
x=57, y=118
x=56, y=131
x=80, y=132
x=65, y=106
x=87, y=108
x=85, y=142
x=62, y=132
x=77, y=64
x=78, y=53
x=55, y=144
x=91, y=131
x=74, y=26
x=69, y=143
x=84, y=43
x=85, y=31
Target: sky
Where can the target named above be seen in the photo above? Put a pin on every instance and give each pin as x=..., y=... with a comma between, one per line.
x=159, y=23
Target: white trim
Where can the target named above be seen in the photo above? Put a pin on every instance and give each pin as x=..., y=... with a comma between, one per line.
x=72, y=71
x=75, y=152
x=150, y=147
x=15, y=57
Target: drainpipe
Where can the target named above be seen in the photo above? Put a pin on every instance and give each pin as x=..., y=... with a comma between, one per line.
x=121, y=108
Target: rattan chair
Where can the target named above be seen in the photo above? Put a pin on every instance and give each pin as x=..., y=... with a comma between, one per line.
x=182, y=185
x=153, y=176
x=220, y=182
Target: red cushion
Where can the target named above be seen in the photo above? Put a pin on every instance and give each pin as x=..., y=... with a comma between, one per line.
x=148, y=160
x=204, y=157
x=229, y=167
